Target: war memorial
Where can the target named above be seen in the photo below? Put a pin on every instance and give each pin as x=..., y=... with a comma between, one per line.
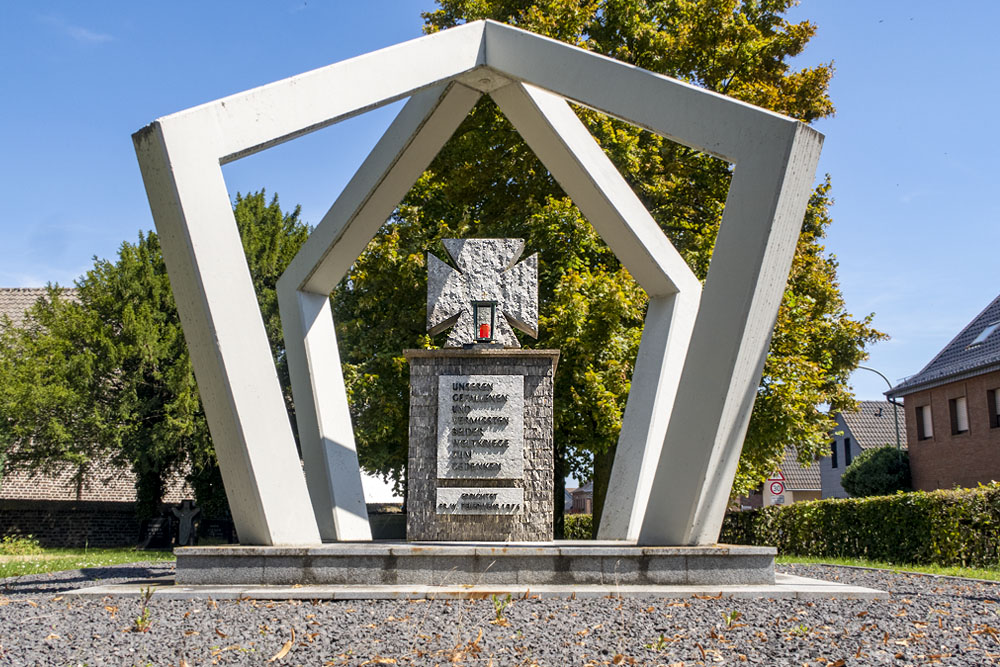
x=480, y=473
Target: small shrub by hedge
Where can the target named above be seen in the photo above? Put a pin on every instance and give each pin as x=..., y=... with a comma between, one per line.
x=958, y=527
x=578, y=527
x=879, y=471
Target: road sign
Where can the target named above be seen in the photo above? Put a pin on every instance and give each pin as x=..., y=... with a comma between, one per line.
x=777, y=488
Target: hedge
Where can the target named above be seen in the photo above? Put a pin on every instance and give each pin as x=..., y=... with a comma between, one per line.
x=958, y=527
x=578, y=527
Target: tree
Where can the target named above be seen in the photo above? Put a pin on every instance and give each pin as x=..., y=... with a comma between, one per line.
x=879, y=471
x=486, y=182
x=107, y=376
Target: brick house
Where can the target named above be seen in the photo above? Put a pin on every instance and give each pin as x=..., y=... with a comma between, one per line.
x=952, y=407
x=66, y=508
x=872, y=425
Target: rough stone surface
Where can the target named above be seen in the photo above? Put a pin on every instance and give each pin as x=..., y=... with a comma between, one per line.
x=486, y=272
x=535, y=522
x=469, y=564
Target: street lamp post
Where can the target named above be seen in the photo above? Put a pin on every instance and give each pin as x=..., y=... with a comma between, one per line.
x=895, y=406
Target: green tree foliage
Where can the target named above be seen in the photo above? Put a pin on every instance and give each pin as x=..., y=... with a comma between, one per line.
x=487, y=183
x=106, y=376
x=880, y=471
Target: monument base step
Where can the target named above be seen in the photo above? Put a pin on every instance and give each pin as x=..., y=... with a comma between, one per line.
x=786, y=586
x=561, y=563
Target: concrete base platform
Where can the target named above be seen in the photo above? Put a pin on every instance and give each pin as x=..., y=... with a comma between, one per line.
x=370, y=565
x=785, y=586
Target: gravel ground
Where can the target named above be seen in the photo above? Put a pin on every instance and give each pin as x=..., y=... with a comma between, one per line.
x=927, y=620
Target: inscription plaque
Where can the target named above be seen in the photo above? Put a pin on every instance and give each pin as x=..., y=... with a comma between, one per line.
x=480, y=427
x=490, y=500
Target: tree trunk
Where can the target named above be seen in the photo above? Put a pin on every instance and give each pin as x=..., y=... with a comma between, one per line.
x=149, y=487
x=559, y=492
x=602, y=476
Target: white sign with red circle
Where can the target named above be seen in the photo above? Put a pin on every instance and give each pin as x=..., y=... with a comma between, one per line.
x=777, y=488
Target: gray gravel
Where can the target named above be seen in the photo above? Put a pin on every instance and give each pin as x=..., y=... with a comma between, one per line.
x=927, y=620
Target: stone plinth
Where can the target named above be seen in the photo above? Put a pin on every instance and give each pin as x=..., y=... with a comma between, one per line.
x=399, y=563
x=500, y=487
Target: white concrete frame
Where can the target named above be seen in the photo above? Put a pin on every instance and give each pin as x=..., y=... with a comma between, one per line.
x=702, y=350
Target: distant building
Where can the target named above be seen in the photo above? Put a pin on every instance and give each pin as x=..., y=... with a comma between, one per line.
x=872, y=425
x=952, y=405
x=567, y=500
x=583, y=500
x=791, y=483
x=64, y=507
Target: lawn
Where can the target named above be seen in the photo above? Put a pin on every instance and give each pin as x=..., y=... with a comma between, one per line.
x=19, y=557
x=950, y=571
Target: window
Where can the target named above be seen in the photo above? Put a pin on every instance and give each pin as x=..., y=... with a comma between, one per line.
x=925, y=426
x=847, y=452
x=985, y=333
x=993, y=407
x=959, y=415
x=833, y=454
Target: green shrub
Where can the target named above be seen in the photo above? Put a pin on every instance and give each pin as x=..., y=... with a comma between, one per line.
x=877, y=472
x=957, y=527
x=579, y=527
x=17, y=545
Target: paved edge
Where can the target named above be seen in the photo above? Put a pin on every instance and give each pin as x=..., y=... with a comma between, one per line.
x=786, y=586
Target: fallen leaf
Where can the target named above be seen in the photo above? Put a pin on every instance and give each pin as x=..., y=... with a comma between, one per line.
x=618, y=659
x=285, y=648
x=221, y=633
x=839, y=663
x=190, y=633
x=283, y=652
x=53, y=636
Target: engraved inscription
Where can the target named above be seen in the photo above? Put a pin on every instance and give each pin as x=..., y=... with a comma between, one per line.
x=480, y=501
x=480, y=427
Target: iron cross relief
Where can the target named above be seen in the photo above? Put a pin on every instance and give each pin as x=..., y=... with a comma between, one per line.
x=487, y=277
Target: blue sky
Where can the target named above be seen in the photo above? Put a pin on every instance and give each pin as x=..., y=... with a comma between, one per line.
x=915, y=222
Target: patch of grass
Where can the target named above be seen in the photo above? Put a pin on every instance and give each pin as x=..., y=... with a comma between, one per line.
x=951, y=571
x=55, y=560
x=14, y=545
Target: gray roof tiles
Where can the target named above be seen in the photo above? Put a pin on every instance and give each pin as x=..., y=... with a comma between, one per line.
x=797, y=477
x=14, y=301
x=958, y=360
x=874, y=424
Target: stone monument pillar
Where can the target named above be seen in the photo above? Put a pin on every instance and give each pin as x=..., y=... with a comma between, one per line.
x=480, y=460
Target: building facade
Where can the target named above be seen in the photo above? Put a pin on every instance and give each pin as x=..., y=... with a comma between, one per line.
x=872, y=425
x=68, y=506
x=952, y=407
